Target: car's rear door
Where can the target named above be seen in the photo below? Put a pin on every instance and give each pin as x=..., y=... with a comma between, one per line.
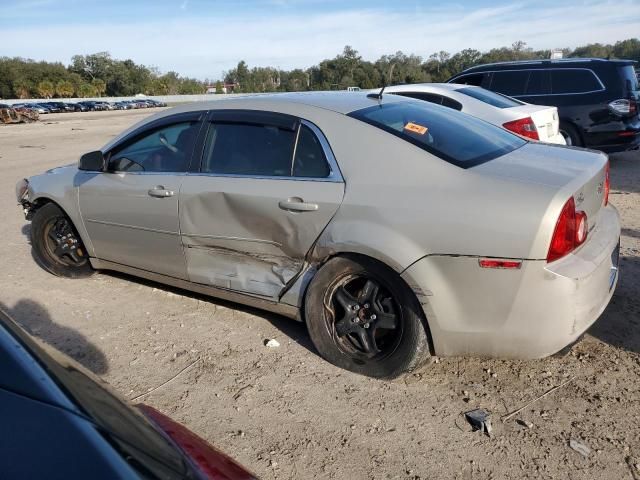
x=266, y=188
x=131, y=210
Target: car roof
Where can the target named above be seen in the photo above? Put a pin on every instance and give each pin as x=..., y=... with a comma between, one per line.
x=409, y=87
x=549, y=62
x=337, y=101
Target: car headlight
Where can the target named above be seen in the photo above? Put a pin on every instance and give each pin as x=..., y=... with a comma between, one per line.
x=22, y=187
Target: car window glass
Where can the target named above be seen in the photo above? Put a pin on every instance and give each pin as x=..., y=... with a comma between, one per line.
x=309, y=159
x=510, y=83
x=248, y=149
x=427, y=97
x=538, y=83
x=165, y=149
x=471, y=79
x=457, y=138
x=492, y=98
x=573, y=81
x=630, y=78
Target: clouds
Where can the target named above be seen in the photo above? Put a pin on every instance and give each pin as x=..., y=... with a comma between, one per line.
x=202, y=42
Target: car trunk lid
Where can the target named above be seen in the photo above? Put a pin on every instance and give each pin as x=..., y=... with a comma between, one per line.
x=544, y=118
x=572, y=171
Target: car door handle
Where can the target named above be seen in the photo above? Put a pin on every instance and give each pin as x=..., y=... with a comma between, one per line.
x=160, y=192
x=296, y=204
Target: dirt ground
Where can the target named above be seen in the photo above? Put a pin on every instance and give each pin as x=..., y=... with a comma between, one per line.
x=284, y=412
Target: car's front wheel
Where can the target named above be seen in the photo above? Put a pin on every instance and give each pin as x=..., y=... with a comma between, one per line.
x=56, y=244
x=363, y=317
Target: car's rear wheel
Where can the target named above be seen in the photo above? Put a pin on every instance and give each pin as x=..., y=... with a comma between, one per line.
x=56, y=244
x=363, y=317
x=570, y=134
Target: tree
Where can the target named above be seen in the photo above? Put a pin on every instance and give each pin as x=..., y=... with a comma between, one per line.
x=65, y=89
x=219, y=87
x=86, y=90
x=99, y=86
x=45, y=89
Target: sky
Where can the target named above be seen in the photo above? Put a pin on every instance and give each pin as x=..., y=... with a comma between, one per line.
x=204, y=38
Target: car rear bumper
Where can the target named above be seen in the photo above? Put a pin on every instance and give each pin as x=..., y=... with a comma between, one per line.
x=616, y=136
x=531, y=312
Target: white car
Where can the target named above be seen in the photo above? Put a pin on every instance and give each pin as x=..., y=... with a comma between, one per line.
x=537, y=122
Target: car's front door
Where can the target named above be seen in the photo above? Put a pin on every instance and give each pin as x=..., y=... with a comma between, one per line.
x=131, y=210
x=267, y=186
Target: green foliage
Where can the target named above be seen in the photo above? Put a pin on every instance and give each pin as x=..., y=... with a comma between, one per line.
x=98, y=74
x=65, y=89
x=45, y=89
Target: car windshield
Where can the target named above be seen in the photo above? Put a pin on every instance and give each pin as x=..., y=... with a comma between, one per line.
x=492, y=98
x=453, y=136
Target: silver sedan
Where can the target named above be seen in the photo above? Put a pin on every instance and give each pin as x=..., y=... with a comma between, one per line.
x=394, y=228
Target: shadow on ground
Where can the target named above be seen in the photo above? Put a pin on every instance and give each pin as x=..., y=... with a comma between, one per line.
x=35, y=319
x=296, y=331
x=619, y=325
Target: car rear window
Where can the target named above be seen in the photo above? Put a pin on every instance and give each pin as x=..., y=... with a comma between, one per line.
x=574, y=80
x=628, y=73
x=492, y=98
x=457, y=138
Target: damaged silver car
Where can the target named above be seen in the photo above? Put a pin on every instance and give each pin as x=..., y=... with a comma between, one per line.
x=394, y=228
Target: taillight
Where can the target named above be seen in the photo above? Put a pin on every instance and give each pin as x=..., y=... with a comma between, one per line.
x=570, y=232
x=607, y=183
x=524, y=127
x=624, y=106
x=211, y=463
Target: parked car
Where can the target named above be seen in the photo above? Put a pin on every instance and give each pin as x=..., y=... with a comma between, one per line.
x=536, y=122
x=79, y=107
x=61, y=106
x=88, y=105
x=66, y=423
x=597, y=99
x=38, y=108
x=52, y=107
x=393, y=227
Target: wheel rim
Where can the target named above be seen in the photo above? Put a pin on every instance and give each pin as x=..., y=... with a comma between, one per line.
x=62, y=244
x=567, y=137
x=364, y=318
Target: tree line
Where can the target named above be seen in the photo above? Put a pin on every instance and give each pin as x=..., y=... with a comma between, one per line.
x=99, y=74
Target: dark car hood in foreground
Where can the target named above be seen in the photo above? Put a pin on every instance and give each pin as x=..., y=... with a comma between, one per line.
x=82, y=394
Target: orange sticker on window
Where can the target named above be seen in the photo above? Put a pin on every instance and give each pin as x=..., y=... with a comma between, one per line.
x=415, y=128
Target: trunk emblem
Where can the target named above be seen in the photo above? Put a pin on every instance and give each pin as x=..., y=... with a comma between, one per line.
x=600, y=188
x=580, y=198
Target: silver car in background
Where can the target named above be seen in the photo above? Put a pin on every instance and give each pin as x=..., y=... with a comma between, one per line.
x=394, y=228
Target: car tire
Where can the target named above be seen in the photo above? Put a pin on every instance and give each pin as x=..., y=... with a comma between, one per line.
x=57, y=247
x=571, y=135
x=363, y=317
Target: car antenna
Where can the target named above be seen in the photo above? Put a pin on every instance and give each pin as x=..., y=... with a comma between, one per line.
x=378, y=95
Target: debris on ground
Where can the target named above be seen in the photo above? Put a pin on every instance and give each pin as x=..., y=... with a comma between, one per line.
x=551, y=390
x=579, y=447
x=479, y=420
x=524, y=423
x=12, y=115
x=272, y=343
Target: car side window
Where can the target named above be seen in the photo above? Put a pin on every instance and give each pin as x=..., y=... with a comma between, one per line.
x=427, y=97
x=510, y=83
x=164, y=149
x=538, y=83
x=310, y=161
x=248, y=149
x=477, y=79
x=573, y=81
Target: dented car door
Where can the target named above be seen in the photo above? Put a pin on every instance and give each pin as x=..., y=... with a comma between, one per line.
x=266, y=188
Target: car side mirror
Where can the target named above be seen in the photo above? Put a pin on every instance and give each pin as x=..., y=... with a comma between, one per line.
x=92, y=161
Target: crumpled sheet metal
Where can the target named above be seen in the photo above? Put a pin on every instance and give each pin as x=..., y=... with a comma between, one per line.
x=11, y=115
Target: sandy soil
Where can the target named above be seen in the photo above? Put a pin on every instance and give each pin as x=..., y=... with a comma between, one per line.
x=284, y=412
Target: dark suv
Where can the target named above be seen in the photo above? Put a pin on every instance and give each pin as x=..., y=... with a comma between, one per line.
x=597, y=99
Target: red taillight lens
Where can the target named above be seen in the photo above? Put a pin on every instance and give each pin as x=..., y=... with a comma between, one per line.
x=570, y=232
x=502, y=264
x=524, y=127
x=607, y=183
x=211, y=463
